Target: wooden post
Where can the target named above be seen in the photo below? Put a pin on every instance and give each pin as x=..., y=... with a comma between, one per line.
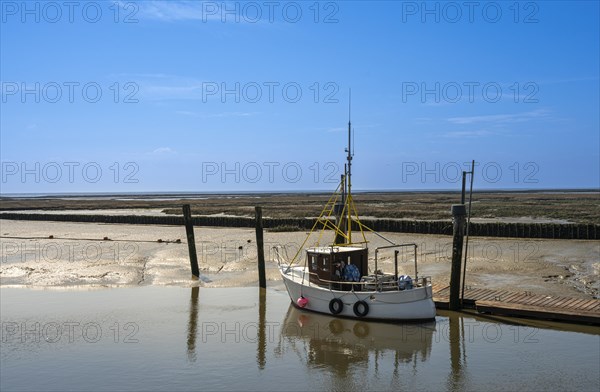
x=464, y=183
x=262, y=281
x=396, y=264
x=458, y=218
x=189, y=230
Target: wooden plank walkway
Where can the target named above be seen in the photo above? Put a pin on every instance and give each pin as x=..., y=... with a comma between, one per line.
x=524, y=304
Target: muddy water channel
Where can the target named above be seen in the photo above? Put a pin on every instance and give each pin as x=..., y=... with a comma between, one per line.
x=158, y=338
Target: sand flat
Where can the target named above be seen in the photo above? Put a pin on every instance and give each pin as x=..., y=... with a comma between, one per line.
x=78, y=256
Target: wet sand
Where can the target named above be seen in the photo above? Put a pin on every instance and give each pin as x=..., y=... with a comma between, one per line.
x=78, y=257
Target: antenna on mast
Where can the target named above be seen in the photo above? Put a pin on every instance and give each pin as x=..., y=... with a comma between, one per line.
x=349, y=103
x=350, y=139
x=348, y=150
x=348, y=183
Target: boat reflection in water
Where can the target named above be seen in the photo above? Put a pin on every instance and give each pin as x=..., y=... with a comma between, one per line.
x=340, y=343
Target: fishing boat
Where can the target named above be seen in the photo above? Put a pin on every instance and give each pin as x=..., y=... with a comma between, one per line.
x=336, y=277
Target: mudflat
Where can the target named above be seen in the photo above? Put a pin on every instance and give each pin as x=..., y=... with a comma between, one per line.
x=78, y=255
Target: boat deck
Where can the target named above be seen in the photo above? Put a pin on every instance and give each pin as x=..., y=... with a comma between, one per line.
x=524, y=304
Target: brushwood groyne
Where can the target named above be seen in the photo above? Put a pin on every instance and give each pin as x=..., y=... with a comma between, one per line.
x=494, y=229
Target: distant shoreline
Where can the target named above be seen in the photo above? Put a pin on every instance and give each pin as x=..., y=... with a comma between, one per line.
x=193, y=195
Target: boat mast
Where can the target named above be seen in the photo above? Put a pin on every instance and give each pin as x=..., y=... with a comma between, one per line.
x=349, y=173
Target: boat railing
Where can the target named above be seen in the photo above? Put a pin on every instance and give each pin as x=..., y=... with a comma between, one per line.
x=414, y=246
x=370, y=285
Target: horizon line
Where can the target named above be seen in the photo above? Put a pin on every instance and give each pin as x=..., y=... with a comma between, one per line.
x=305, y=191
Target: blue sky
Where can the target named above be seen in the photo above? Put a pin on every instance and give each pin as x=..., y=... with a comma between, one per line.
x=168, y=96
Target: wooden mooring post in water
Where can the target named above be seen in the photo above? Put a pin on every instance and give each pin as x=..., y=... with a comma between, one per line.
x=262, y=281
x=189, y=231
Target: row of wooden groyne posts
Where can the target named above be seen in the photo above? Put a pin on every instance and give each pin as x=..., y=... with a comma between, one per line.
x=493, y=229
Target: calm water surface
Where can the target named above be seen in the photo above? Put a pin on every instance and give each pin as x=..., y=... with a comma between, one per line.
x=171, y=338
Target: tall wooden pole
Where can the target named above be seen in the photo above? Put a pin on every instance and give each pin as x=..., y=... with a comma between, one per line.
x=458, y=217
x=189, y=230
x=464, y=273
x=262, y=281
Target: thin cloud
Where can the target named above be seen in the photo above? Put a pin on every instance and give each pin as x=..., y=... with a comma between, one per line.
x=500, y=118
x=186, y=113
x=344, y=129
x=166, y=87
x=215, y=115
x=170, y=11
x=468, y=134
x=163, y=151
x=160, y=92
x=128, y=75
x=203, y=11
x=229, y=114
x=570, y=80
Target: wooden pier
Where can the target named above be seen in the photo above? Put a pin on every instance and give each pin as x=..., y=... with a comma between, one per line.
x=524, y=304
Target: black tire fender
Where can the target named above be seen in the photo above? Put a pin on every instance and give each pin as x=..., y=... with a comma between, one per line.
x=361, y=312
x=336, y=306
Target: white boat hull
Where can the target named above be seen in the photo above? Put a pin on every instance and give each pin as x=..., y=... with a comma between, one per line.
x=407, y=305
